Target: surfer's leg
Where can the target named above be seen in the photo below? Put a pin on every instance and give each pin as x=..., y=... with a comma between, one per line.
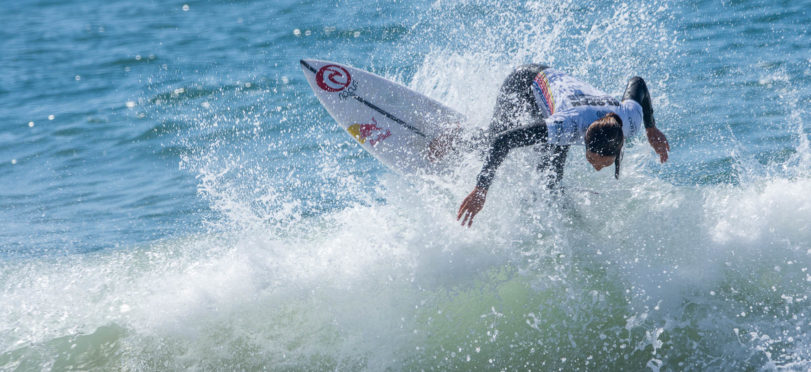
x=516, y=107
x=553, y=157
x=515, y=103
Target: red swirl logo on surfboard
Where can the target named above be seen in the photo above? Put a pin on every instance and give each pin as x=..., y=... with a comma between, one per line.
x=333, y=78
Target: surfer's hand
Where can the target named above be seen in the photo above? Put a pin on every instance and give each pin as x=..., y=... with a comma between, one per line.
x=659, y=143
x=472, y=204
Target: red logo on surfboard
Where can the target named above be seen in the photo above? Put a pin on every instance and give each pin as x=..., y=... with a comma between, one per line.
x=333, y=78
x=370, y=131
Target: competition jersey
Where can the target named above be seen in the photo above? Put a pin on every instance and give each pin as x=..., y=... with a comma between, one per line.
x=571, y=105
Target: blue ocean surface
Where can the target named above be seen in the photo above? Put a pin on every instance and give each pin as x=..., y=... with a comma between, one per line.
x=173, y=196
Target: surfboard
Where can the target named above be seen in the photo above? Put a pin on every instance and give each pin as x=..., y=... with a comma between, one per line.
x=395, y=124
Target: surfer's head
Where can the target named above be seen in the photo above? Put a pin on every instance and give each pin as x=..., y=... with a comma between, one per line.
x=604, y=141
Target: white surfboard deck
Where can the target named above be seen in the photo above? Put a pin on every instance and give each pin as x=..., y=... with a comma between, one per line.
x=392, y=122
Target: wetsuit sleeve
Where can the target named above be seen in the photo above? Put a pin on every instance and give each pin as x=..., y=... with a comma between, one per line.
x=501, y=145
x=637, y=90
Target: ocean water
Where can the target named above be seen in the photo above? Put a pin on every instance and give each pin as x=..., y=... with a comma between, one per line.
x=173, y=196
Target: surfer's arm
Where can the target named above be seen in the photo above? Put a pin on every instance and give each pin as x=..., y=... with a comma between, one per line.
x=501, y=145
x=637, y=90
x=659, y=142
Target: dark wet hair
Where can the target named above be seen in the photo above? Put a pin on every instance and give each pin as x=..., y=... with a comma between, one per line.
x=604, y=137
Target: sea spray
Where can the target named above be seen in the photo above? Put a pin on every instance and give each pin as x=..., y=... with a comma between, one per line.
x=309, y=255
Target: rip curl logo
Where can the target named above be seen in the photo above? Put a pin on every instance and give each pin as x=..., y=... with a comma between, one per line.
x=363, y=132
x=333, y=78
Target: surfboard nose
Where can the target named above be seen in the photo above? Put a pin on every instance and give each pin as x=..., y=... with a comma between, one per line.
x=307, y=64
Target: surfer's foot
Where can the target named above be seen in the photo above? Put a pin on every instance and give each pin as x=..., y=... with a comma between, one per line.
x=442, y=144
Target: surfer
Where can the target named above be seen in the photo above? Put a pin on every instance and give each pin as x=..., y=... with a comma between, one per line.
x=544, y=106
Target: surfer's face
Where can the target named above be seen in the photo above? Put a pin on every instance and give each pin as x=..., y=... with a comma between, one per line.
x=599, y=161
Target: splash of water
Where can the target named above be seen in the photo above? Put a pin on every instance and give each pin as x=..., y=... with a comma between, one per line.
x=331, y=263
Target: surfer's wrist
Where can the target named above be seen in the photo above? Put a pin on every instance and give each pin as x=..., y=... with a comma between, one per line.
x=483, y=183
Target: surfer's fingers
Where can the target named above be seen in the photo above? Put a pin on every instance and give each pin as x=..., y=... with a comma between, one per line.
x=463, y=215
x=462, y=209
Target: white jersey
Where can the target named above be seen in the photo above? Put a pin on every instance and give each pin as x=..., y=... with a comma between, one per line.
x=571, y=105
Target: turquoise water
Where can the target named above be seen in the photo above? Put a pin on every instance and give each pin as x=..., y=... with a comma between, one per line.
x=173, y=196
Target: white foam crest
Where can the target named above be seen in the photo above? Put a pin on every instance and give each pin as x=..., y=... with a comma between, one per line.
x=777, y=210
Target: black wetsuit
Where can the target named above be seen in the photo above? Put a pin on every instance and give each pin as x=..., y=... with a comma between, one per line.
x=517, y=122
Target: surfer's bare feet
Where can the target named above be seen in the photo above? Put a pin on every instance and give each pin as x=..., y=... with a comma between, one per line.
x=442, y=144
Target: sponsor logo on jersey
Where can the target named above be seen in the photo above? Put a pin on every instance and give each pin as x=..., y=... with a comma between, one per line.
x=333, y=78
x=580, y=99
x=368, y=131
